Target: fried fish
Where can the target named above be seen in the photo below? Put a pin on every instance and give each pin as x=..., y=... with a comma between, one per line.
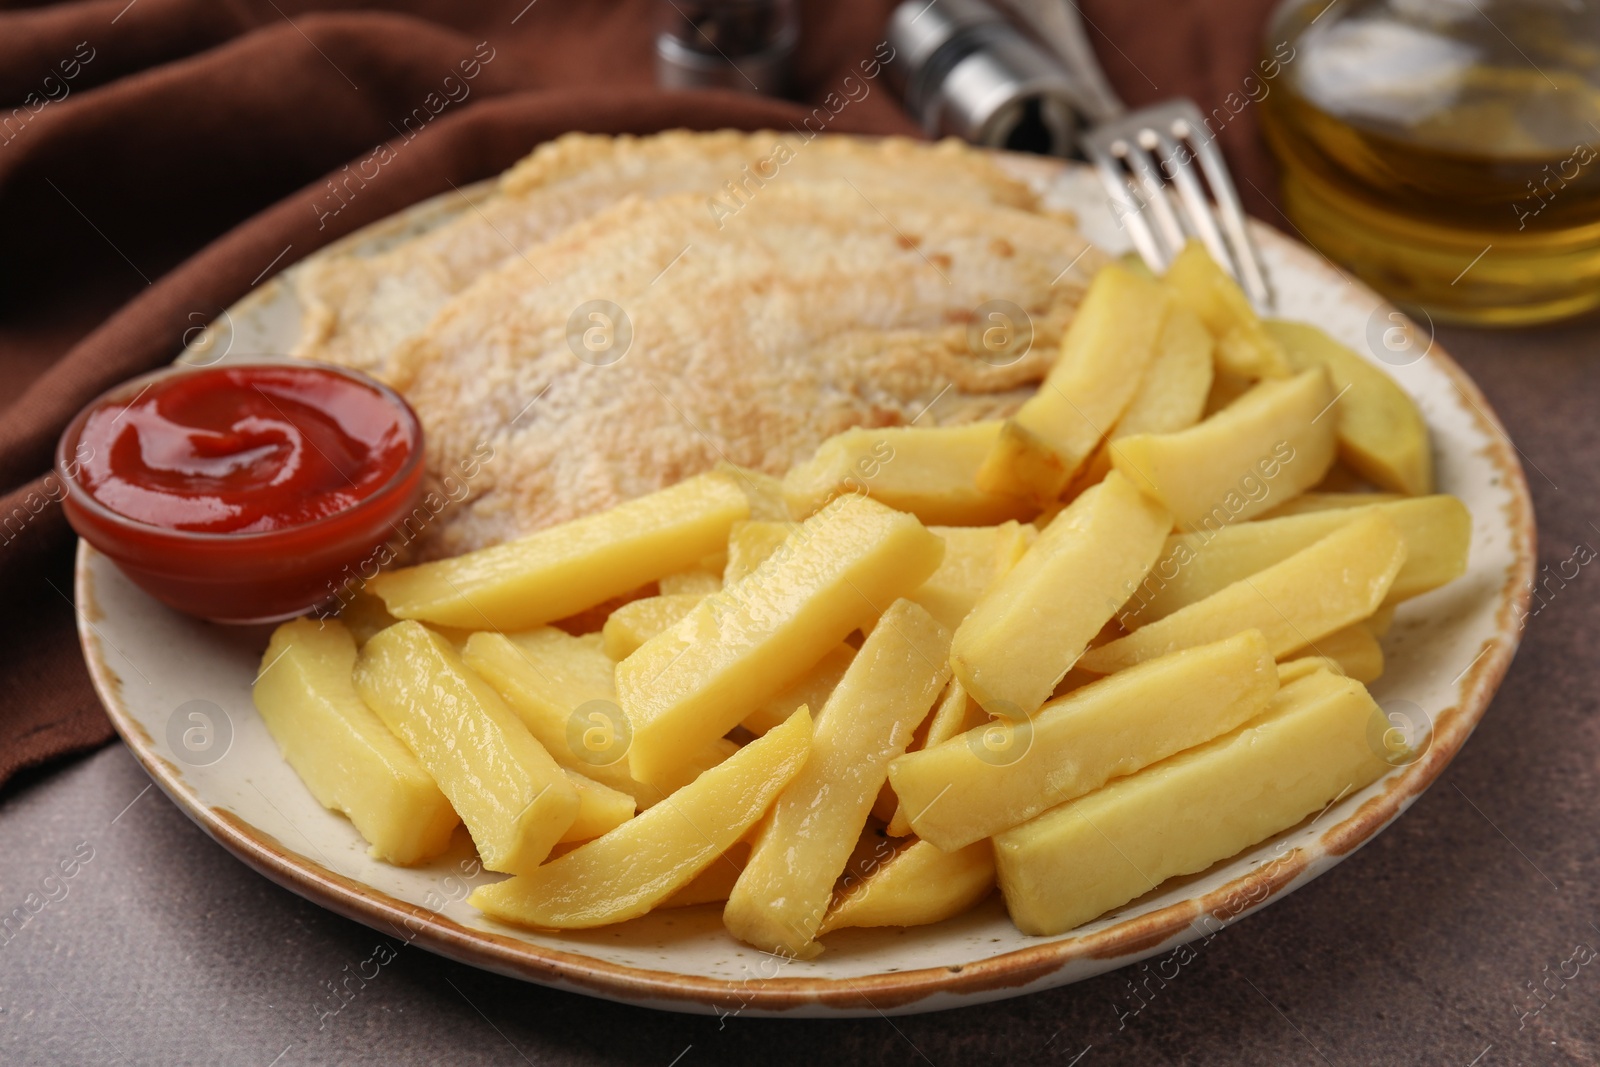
x=818, y=306
x=359, y=310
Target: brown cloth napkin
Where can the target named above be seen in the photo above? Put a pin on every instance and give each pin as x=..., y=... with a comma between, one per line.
x=159, y=158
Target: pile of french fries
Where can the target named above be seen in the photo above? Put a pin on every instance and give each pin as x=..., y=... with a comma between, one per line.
x=1116, y=638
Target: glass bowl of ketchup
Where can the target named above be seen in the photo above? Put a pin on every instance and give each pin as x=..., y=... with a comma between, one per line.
x=243, y=493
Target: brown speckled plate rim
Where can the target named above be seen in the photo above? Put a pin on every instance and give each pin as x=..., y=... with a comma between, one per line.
x=1123, y=942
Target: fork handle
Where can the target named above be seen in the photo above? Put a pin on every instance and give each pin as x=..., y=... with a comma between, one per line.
x=1060, y=27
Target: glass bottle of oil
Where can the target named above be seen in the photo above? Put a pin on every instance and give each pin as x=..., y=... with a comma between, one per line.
x=1446, y=151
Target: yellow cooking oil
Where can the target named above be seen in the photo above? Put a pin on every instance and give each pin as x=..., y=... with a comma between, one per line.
x=1447, y=152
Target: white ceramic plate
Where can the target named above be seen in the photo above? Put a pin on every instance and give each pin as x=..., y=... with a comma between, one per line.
x=161, y=673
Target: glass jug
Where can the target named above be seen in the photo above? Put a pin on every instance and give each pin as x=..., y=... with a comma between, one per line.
x=1446, y=151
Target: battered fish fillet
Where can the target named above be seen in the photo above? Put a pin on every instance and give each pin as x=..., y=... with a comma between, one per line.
x=359, y=310
x=819, y=305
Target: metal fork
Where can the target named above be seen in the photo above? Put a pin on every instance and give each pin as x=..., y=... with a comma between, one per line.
x=1151, y=162
x=1146, y=157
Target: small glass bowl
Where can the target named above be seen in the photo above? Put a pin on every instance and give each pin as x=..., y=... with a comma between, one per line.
x=254, y=577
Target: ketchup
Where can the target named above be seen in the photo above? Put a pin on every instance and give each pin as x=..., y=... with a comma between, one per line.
x=229, y=450
x=241, y=493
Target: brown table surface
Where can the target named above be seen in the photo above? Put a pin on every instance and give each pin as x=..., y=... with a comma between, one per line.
x=1423, y=947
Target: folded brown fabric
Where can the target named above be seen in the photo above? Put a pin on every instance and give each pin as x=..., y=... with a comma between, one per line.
x=159, y=158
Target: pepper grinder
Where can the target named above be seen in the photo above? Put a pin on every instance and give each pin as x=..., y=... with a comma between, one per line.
x=742, y=45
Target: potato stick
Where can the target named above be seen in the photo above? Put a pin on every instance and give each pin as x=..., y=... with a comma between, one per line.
x=1320, y=500
x=1292, y=670
x=1001, y=774
x=1104, y=354
x=364, y=616
x=929, y=471
x=564, y=569
x=634, y=623
x=974, y=558
x=1330, y=584
x=1381, y=432
x=764, y=492
x=1171, y=395
x=561, y=688
x=750, y=543
x=712, y=885
x=916, y=886
x=956, y=713
x=1353, y=648
x=1437, y=532
x=1080, y=860
x=341, y=750
x=1244, y=347
x=779, y=901
x=693, y=683
x=513, y=797
x=690, y=583
x=601, y=809
x=1033, y=623
x=1272, y=443
x=812, y=689
x=654, y=855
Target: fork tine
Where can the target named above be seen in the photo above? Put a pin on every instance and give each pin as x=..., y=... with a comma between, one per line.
x=1128, y=208
x=1193, y=198
x=1175, y=134
x=1155, y=192
x=1230, y=213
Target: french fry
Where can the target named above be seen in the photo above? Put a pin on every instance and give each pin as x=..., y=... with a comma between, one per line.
x=1171, y=394
x=997, y=776
x=1023, y=464
x=974, y=559
x=1265, y=447
x=364, y=616
x=955, y=713
x=1104, y=354
x=588, y=621
x=690, y=583
x=1244, y=346
x=517, y=803
x=1353, y=648
x=638, y=621
x=561, y=688
x=1320, y=500
x=1226, y=387
x=1326, y=586
x=764, y=492
x=341, y=750
x=1292, y=670
x=564, y=569
x=812, y=689
x=693, y=683
x=779, y=901
x=929, y=471
x=1437, y=532
x=712, y=885
x=750, y=543
x=1381, y=432
x=601, y=809
x=657, y=853
x=1034, y=622
x=916, y=886
x=1082, y=859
